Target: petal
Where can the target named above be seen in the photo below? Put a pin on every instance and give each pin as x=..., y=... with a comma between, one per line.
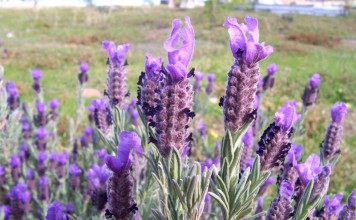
x=187, y=48
x=237, y=36
x=252, y=26
x=115, y=164
x=153, y=66
x=338, y=112
x=177, y=72
x=121, y=52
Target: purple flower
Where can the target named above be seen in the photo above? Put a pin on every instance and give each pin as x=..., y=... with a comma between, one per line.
x=69, y=208
x=55, y=211
x=41, y=107
x=128, y=141
x=281, y=207
x=74, y=170
x=272, y=69
x=101, y=156
x=349, y=210
x=314, y=81
x=40, y=118
x=13, y=100
x=116, y=54
x=101, y=173
x=179, y=58
x=286, y=117
x=84, y=67
x=208, y=163
x=333, y=206
x=210, y=87
x=41, y=133
x=338, y=112
x=309, y=169
x=153, y=67
x=62, y=158
x=247, y=139
x=54, y=104
x=311, y=92
x=42, y=157
x=149, y=85
x=15, y=161
x=19, y=192
x=295, y=153
x=102, y=115
x=43, y=181
x=30, y=174
x=201, y=127
x=244, y=41
x=6, y=210
x=36, y=74
x=2, y=171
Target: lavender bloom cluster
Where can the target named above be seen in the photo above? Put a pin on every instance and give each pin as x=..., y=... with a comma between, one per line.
x=113, y=167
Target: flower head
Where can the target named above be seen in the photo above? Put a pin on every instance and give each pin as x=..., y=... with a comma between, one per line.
x=309, y=169
x=272, y=69
x=84, y=67
x=11, y=88
x=19, y=192
x=333, y=205
x=295, y=153
x=54, y=104
x=42, y=157
x=128, y=141
x=15, y=161
x=36, y=74
x=41, y=107
x=338, y=112
x=286, y=191
x=208, y=163
x=55, y=211
x=247, y=139
x=116, y=54
x=210, y=87
x=30, y=174
x=244, y=41
x=286, y=116
x=74, y=170
x=41, y=133
x=314, y=81
x=179, y=58
x=153, y=66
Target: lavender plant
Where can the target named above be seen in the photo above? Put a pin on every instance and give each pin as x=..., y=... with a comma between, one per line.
x=162, y=166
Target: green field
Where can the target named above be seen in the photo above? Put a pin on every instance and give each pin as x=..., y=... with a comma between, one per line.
x=56, y=40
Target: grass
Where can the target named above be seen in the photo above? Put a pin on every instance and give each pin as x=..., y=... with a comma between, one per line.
x=56, y=40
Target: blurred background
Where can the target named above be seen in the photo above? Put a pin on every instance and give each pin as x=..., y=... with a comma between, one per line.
x=307, y=36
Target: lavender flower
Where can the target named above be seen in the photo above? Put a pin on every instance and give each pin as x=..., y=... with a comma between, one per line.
x=83, y=75
x=2, y=175
x=349, y=210
x=201, y=127
x=148, y=86
x=244, y=73
x=275, y=144
x=53, y=105
x=13, y=99
x=210, y=87
x=332, y=207
x=69, y=208
x=309, y=169
x=197, y=83
x=91, y=110
x=41, y=163
x=87, y=137
x=55, y=211
x=61, y=164
x=268, y=80
x=53, y=160
x=311, y=92
x=176, y=97
x=41, y=135
x=290, y=172
x=19, y=200
x=208, y=163
x=281, y=208
x=101, y=156
x=102, y=115
x=15, y=165
x=40, y=118
x=116, y=79
x=98, y=178
x=333, y=135
x=36, y=75
x=30, y=178
x=321, y=183
x=26, y=128
x=247, y=150
x=120, y=185
x=6, y=210
x=74, y=174
x=43, y=189
x=131, y=109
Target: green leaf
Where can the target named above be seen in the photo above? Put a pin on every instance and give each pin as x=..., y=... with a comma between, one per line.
x=223, y=207
x=179, y=192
